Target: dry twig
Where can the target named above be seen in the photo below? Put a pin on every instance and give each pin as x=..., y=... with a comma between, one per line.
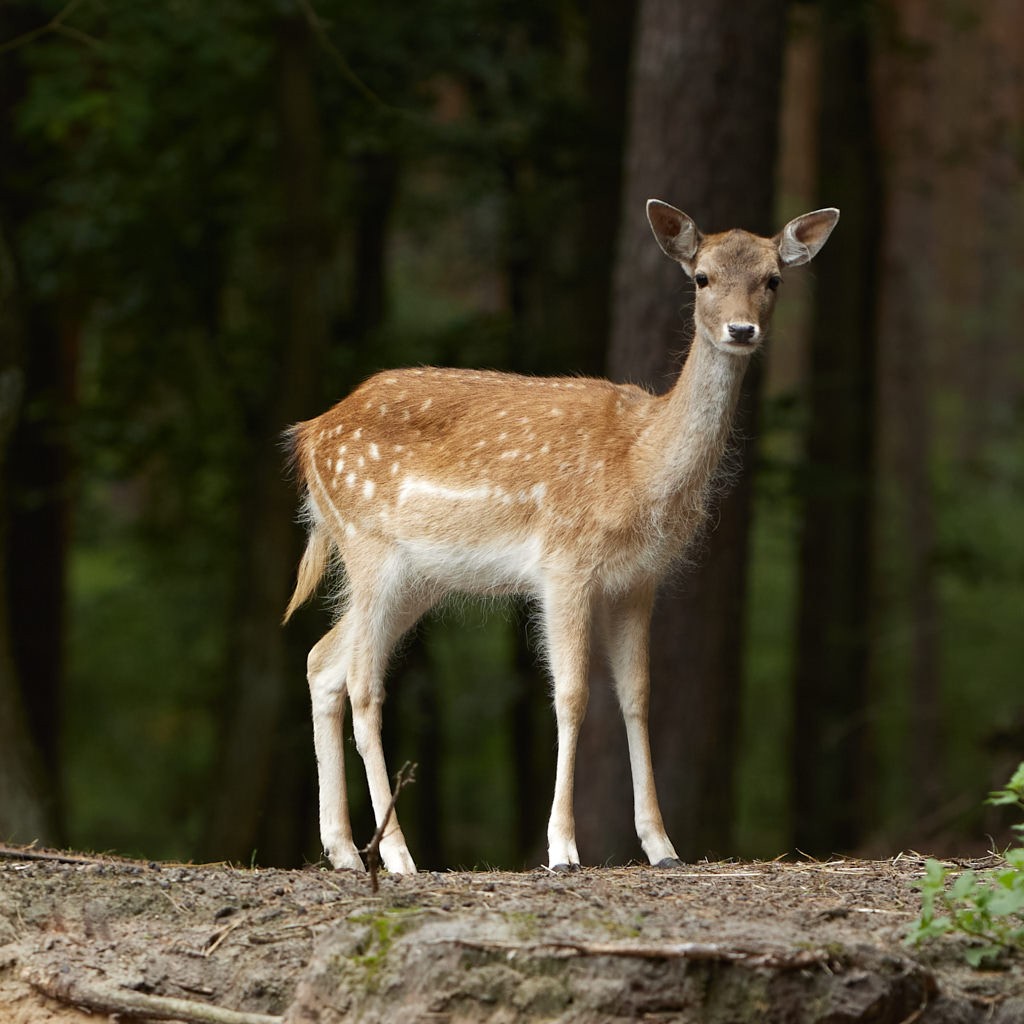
x=406, y=774
x=33, y=853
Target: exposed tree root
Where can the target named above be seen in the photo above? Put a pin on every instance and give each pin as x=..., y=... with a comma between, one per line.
x=101, y=997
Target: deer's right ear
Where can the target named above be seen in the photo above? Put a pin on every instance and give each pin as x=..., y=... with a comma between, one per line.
x=676, y=233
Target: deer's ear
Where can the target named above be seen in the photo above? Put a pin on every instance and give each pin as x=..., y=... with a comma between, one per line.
x=676, y=233
x=801, y=239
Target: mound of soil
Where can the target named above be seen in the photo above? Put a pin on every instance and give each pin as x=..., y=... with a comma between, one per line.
x=808, y=942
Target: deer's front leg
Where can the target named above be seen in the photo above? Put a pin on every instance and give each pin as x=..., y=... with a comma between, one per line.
x=567, y=612
x=625, y=629
x=327, y=668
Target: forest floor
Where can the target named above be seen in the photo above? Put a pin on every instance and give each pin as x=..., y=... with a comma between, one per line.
x=807, y=942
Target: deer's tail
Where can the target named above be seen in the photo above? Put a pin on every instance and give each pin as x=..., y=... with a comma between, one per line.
x=317, y=556
x=315, y=560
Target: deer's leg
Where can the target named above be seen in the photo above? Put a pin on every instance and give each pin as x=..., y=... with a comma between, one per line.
x=567, y=610
x=625, y=627
x=327, y=668
x=381, y=617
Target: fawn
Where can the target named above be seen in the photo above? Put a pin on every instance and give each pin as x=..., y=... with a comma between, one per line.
x=578, y=492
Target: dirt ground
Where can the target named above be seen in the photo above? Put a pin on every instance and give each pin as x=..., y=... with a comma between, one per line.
x=727, y=942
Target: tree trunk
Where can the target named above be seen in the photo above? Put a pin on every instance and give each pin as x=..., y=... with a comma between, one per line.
x=908, y=339
x=831, y=673
x=39, y=529
x=702, y=134
x=34, y=385
x=23, y=813
x=264, y=674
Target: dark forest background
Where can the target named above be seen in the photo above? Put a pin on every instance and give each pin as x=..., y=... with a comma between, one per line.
x=215, y=219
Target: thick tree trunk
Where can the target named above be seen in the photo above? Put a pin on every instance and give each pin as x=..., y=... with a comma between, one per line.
x=23, y=813
x=909, y=347
x=702, y=135
x=33, y=491
x=39, y=529
x=255, y=807
x=831, y=681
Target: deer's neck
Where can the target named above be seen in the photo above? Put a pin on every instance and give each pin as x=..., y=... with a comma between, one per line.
x=685, y=443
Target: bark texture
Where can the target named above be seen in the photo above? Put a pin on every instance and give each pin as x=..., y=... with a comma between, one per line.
x=702, y=131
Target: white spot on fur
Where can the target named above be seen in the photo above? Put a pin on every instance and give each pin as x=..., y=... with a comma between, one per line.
x=369, y=488
x=351, y=480
x=374, y=451
x=413, y=486
x=426, y=405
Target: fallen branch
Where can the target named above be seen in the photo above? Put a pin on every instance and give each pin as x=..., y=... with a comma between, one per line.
x=32, y=853
x=406, y=774
x=100, y=997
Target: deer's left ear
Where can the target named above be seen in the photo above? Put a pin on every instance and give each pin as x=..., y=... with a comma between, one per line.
x=799, y=241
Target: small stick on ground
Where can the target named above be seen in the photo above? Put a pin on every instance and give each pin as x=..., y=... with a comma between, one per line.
x=406, y=774
x=34, y=853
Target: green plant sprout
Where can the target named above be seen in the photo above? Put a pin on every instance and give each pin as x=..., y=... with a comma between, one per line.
x=988, y=906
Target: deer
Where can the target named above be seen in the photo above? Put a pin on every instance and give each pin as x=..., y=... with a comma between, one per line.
x=578, y=492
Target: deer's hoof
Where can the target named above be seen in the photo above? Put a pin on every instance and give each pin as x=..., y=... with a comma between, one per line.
x=669, y=862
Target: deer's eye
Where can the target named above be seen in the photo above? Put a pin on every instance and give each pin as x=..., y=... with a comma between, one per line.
x=774, y=281
x=701, y=279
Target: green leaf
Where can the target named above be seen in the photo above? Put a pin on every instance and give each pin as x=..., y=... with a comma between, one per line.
x=934, y=872
x=930, y=929
x=1006, y=901
x=964, y=887
x=976, y=955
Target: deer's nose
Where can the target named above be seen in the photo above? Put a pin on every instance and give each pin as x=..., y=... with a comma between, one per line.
x=742, y=334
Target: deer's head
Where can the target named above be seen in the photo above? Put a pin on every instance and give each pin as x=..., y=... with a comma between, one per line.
x=736, y=273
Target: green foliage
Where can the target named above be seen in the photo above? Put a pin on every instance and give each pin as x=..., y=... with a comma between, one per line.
x=988, y=906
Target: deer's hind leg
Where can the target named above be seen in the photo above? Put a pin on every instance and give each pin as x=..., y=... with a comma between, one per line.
x=327, y=672
x=384, y=605
x=348, y=664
